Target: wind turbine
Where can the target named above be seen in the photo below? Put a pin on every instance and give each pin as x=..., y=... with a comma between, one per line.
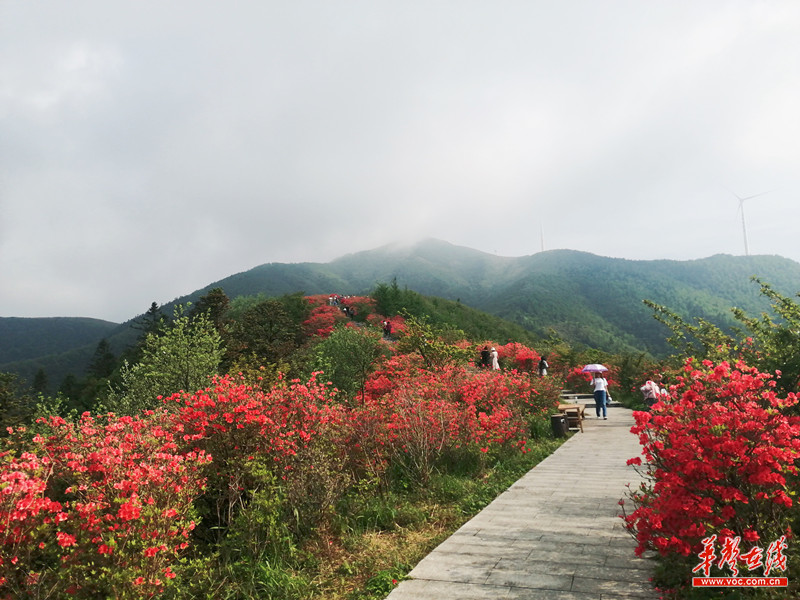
x=741, y=209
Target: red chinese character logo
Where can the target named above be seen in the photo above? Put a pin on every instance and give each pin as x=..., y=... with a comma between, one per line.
x=707, y=556
x=730, y=554
x=776, y=559
x=753, y=558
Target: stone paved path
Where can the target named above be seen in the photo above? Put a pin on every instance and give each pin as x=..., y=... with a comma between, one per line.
x=553, y=535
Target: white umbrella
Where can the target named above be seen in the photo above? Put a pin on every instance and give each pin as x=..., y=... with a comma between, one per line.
x=594, y=368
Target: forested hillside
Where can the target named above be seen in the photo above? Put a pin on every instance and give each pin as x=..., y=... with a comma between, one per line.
x=32, y=338
x=582, y=298
x=71, y=355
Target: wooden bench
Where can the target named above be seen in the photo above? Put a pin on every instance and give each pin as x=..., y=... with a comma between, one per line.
x=574, y=414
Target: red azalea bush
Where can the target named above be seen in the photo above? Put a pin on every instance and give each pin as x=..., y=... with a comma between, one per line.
x=360, y=306
x=239, y=424
x=325, y=315
x=397, y=322
x=425, y=414
x=322, y=320
x=105, y=506
x=520, y=357
x=720, y=459
x=578, y=381
x=96, y=508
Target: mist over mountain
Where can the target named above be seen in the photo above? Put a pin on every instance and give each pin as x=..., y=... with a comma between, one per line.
x=584, y=298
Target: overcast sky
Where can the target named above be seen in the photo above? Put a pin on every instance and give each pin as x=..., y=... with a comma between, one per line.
x=148, y=148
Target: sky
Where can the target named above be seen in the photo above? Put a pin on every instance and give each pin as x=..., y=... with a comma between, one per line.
x=148, y=149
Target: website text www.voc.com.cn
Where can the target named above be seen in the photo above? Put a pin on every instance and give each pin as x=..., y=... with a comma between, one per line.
x=740, y=581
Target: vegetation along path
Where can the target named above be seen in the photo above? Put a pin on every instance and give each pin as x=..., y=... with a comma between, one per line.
x=555, y=534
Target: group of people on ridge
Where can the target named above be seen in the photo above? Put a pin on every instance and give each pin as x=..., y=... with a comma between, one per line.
x=490, y=357
x=650, y=390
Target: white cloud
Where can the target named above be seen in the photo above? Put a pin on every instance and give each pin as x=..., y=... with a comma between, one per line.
x=148, y=149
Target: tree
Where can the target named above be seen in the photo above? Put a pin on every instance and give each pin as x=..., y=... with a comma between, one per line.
x=348, y=356
x=40, y=383
x=182, y=357
x=266, y=330
x=701, y=340
x=151, y=321
x=15, y=406
x=216, y=304
x=775, y=344
x=765, y=342
x=436, y=345
x=103, y=362
x=390, y=300
x=70, y=387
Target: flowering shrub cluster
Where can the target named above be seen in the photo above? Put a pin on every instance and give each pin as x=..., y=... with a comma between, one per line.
x=322, y=320
x=107, y=505
x=518, y=356
x=424, y=414
x=101, y=505
x=397, y=322
x=237, y=424
x=721, y=460
x=324, y=316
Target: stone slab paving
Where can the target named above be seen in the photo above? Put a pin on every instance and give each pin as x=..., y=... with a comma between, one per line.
x=555, y=534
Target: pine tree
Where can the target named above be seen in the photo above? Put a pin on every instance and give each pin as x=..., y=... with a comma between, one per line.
x=15, y=406
x=215, y=304
x=40, y=384
x=103, y=362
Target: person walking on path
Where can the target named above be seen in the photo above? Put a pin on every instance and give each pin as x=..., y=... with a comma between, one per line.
x=543, y=366
x=600, y=394
x=495, y=356
x=650, y=391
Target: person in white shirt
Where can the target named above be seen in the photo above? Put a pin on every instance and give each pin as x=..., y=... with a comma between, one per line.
x=600, y=394
x=650, y=391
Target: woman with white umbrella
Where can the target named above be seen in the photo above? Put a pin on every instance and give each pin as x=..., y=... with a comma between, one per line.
x=600, y=387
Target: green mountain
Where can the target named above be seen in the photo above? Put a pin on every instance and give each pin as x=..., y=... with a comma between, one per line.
x=58, y=345
x=31, y=338
x=584, y=298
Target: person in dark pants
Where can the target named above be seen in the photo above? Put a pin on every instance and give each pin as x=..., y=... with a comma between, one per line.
x=543, y=366
x=485, y=357
x=600, y=394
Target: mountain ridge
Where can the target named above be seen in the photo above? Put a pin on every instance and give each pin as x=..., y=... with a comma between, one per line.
x=582, y=297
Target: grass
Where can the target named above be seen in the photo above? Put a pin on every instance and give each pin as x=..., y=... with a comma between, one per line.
x=370, y=541
x=373, y=550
